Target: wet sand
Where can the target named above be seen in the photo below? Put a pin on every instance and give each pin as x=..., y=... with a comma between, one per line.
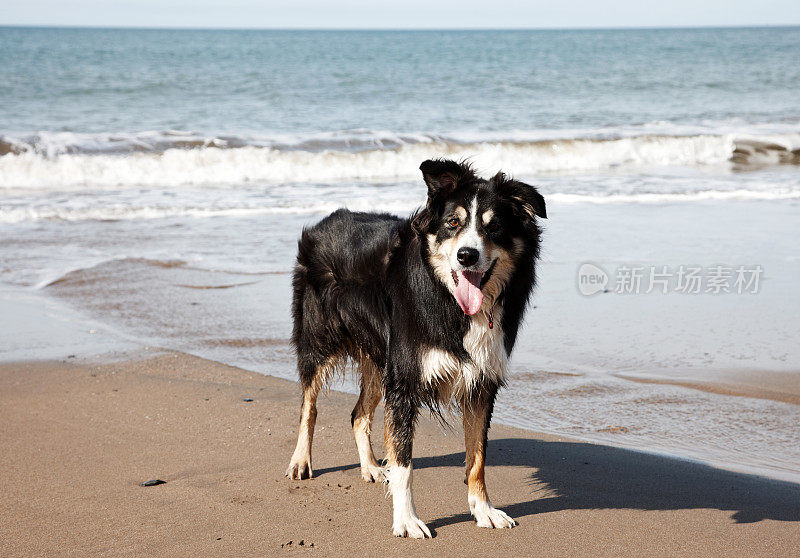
x=775, y=386
x=78, y=439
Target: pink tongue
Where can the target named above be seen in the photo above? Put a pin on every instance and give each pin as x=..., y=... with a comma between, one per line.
x=468, y=291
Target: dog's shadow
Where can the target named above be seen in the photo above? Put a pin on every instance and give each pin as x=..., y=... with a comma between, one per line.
x=576, y=476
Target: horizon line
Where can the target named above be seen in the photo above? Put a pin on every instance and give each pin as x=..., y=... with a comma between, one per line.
x=554, y=28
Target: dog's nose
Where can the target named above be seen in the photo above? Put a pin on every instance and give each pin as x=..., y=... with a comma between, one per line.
x=467, y=256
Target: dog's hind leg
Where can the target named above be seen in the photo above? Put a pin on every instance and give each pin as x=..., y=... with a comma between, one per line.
x=477, y=415
x=300, y=464
x=361, y=419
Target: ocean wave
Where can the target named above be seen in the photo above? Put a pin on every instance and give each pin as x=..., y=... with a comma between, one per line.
x=52, y=144
x=183, y=159
x=668, y=197
x=135, y=212
x=320, y=206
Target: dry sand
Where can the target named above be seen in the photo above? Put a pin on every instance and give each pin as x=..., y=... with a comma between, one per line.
x=79, y=438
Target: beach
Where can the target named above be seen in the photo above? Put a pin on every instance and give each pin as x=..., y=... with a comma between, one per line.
x=79, y=439
x=644, y=371
x=99, y=413
x=154, y=184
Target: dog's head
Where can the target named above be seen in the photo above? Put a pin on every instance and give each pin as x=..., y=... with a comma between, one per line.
x=476, y=230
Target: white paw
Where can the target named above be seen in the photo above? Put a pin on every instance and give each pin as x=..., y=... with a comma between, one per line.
x=300, y=468
x=490, y=517
x=410, y=526
x=406, y=522
x=373, y=473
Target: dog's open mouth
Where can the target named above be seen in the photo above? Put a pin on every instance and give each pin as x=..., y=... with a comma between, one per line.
x=468, y=292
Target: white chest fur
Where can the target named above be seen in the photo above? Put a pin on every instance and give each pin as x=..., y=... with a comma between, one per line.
x=484, y=345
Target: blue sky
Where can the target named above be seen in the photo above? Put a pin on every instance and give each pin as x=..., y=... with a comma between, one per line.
x=437, y=14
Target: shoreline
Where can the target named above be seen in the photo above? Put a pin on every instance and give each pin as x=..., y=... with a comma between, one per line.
x=81, y=437
x=738, y=384
x=53, y=328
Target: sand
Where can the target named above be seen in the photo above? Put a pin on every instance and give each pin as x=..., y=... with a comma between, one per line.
x=760, y=384
x=78, y=438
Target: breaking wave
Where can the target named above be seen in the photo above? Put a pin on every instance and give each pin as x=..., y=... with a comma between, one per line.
x=167, y=159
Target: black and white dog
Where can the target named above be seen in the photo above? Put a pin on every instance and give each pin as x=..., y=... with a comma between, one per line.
x=429, y=308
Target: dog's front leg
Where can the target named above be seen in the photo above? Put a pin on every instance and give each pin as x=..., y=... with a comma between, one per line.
x=400, y=417
x=477, y=416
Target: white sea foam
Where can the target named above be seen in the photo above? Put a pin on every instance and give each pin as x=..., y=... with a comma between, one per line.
x=213, y=162
x=142, y=179
x=51, y=144
x=100, y=211
x=667, y=197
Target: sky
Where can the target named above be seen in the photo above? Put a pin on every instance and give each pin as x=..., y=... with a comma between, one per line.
x=415, y=14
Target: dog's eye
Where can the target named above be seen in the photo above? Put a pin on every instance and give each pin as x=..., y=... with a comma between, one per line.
x=453, y=223
x=494, y=226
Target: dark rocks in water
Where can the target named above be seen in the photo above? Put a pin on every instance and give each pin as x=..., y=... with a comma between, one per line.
x=248, y=399
x=7, y=147
x=752, y=152
x=154, y=482
x=764, y=147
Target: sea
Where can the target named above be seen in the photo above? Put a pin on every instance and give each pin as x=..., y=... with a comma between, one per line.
x=156, y=181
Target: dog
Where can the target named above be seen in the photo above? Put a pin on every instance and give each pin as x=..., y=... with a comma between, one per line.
x=429, y=309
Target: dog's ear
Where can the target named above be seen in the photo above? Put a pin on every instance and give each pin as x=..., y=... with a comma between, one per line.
x=443, y=176
x=525, y=198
